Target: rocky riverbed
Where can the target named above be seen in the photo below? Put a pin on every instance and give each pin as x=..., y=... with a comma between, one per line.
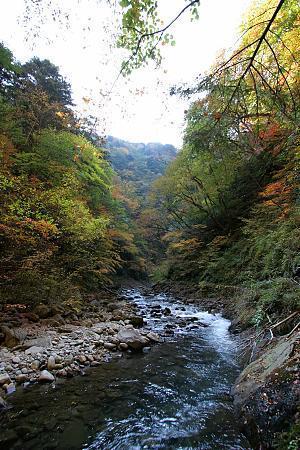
x=43, y=347
x=171, y=395
x=46, y=346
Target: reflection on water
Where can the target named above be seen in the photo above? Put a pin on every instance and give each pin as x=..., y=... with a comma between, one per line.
x=174, y=397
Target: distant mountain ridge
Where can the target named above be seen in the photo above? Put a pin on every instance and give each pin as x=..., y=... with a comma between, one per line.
x=139, y=164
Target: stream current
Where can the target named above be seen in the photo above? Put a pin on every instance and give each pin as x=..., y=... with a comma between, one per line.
x=172, y=397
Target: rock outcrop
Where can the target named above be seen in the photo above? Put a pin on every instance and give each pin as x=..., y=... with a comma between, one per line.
x=267, y=392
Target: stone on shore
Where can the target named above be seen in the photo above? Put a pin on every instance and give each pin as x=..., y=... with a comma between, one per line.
x=4, y=378
x=43, y=341
x=10, y=388
x=51, y=363
x=46, y=376
x=21, y=378
x=132, y=338
x=123, y=346
x=153, y=337
x=109, y=346
x=33, y=350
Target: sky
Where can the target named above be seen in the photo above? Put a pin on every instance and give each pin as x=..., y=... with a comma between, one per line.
x=139, y=108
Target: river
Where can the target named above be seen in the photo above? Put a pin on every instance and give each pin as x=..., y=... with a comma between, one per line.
x=174, y=396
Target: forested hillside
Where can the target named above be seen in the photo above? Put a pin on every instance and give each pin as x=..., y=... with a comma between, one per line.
x=70, y=211
x=137, y=165
x=230, y=200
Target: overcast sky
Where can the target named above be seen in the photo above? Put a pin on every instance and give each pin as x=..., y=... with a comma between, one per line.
x=138, y=109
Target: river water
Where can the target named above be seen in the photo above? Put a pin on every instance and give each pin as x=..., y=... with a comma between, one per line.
x=172, y=397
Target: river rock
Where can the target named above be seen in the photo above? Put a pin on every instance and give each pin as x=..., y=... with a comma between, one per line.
x=153, y=337
x=16, y=360
x=51, y=363
x=62, y=373
x=35, y=364
x=34, y=350
x=46, y=376
x=81, y=359
x=4, y=378
x=123, y=346
x=132, y=338
x=69, y=359
x=109, y=346
x=21, y=378
x=10, y=388
x=136, y=321
x=167, y=311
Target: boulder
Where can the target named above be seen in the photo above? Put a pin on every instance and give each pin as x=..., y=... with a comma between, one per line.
x=35, y=364
x=43, y=341
x=33, y=350
x=42, y=311
x=46, y=376
x=13, y=336
x=132, y=338
x=136, y=321
x=267, y=395
x=21, y=378
x=123, y=346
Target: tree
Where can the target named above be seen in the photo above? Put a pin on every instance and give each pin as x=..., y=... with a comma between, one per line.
x=46, y=76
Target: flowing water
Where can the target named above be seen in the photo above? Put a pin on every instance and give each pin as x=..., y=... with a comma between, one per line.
x=172, y=397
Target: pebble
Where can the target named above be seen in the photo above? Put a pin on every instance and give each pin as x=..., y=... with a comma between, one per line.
x=81, y=359
x=35, y=364
x=16, y=360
